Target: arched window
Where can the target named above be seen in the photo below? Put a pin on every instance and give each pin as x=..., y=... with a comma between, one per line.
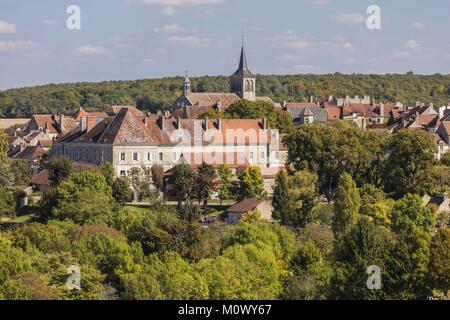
x=247, y=85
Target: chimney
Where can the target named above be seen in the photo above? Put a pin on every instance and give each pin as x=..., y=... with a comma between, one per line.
x=219, y=105
x=161, y=120
x=61, y=123
x=146, y=121
x=284, y=104
x=205, y=123
x=219, y=124
x=330, y=98
x=178, y=123
x=431, y=105
x=381, y=109
x=311, y=99
x=84, y=121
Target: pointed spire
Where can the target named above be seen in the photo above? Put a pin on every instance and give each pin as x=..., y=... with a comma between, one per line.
x=243, y=67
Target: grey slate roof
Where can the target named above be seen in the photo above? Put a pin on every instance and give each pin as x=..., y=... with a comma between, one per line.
x=320, y=114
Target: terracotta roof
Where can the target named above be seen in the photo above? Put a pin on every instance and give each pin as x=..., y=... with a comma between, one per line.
x=334, y=113
x=41, y=178
x=426, y=120
x=245, y=205
x=83, y=113
x=125, y=128
x=113, y=110
x=365, y=110
x=51, y=122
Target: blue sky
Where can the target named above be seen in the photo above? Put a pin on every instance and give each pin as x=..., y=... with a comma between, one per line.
x=136, y=39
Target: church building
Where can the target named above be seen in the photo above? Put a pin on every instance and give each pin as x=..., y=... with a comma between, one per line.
x=242, y=86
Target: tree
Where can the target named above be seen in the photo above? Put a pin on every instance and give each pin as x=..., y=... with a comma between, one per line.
x=181, y=182
x=121, y=190
x=409, y=214
x=376, y=205
x=412, y=174
x=225, y=183
x=245, y=109
x=7, y=202
x=362, y=246
x=251, y=184
x=59, y=169
x=107, y=170
x=439, y=267
x=141, y=182
x=280, y=200
x=204, y=182
x=158, y=177
x=331, y=149
x=311, y=275
x=346, y=206
x=22, y=172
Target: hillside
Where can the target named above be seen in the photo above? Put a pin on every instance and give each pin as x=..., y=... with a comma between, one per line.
x=155, y=94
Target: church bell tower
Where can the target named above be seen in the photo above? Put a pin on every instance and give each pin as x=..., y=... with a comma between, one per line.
x=243, y=81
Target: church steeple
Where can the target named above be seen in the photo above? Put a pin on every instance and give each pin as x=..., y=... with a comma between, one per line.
x=243, y=81
x=186, y=85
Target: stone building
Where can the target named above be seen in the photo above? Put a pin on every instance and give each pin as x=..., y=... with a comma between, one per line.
x=127, y=140
x=190, y=105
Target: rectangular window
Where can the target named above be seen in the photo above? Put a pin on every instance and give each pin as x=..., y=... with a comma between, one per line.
x=161, y=156
x=122, y=173
x=174, y=156
x=149, y=156
x=135, y=156
x=277, y=155
x=251, y=156
x=122, y=156
x=263, y=156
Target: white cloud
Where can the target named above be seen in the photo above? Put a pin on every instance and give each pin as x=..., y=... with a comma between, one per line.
x=172, y=28
x=92, y=50
x=193, y=41
x=349, y=18
x=412, y=44
x=6, y=27
x=418, y=25
x=15, y=45
x=169, y=11
x=401, y=55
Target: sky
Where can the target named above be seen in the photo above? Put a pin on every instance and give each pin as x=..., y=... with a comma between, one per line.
x=141, y=39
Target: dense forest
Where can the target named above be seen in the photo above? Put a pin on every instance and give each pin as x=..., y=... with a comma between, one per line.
x=155, y=94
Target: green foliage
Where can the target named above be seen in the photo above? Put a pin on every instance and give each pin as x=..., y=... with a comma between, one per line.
x=362, y=246
x=376, y=205
x=244, y=109
x=439, y=267
x=409, y=214
x=107, y=170
x=158, y=177
x=203, y=182
x=251, y=184
x=151, y=95
x=346, y=206
x=330, y=149
x=412, y=174
x=121, y=190
x=22, y=172
x=181, y=182
x=7, y=202
x=141, y=182
x=59, y=169
x=225, y=183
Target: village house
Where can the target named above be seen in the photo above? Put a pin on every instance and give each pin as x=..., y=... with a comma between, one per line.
x=238, y=210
